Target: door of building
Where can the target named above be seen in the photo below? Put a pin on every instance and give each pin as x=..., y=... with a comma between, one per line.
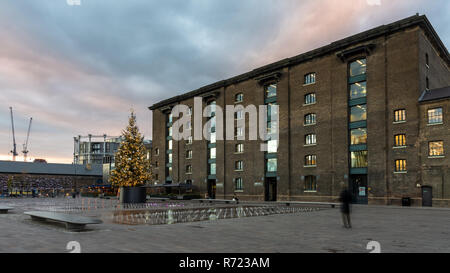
x=358, y=187
x=212, y=188
x=427, y=196
x=270, y=189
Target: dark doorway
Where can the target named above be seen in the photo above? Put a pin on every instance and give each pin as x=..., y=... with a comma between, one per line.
x=270, y=193
x=358, y=188
x=427, y=196
x=212, y=188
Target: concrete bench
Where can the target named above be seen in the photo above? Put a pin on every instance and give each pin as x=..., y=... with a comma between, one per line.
x=158, y=198
x=288, y=203
x=215, y=201
x=4, y=209
x=73, y=222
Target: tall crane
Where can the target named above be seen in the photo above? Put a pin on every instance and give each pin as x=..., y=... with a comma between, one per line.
x=14, y=151
x=25, y=146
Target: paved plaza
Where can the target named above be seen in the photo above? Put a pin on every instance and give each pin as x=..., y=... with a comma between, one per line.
x=397, y=229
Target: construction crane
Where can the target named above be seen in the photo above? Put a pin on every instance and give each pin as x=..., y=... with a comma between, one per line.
x=14, y=151
x=25, y=146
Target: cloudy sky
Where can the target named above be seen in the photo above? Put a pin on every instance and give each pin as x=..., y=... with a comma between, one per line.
x=80, y=69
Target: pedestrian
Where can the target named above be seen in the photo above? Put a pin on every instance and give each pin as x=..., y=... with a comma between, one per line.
x=346, y=200
x=235, y=198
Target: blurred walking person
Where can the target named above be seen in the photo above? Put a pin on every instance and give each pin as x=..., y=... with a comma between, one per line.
x=346, y=200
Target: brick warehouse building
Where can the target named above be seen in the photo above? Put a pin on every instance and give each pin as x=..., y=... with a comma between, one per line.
x=349, y=114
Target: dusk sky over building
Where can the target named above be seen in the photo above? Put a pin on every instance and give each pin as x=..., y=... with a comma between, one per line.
x=80, y=69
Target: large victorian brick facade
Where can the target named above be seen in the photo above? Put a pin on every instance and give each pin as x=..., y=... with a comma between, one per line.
x=349, y=115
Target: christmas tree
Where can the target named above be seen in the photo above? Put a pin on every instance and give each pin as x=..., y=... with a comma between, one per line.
x=132, y=168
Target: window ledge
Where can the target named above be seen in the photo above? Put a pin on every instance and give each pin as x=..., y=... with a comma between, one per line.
x=308, y=84
x=434, y=124
x=436, y=156
x=239, y=153
x=310, y=166
x=188, y=173
x=399, y=122
x=399, y=147
x=310, y=191
x=312, y=124
x=309, y=145
x=238, y=190
x=308, y=104
x=238, y=170
x=401, y=172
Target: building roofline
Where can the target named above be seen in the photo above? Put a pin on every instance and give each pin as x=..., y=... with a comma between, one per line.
x=434, y=95
x=416, y=20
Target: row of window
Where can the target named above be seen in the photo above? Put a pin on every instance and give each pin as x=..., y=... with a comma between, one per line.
x=435, y=115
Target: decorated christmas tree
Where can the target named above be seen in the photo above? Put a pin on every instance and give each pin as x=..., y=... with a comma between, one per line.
x=132, y=168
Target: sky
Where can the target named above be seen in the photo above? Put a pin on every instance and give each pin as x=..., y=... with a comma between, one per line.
x=79, y=69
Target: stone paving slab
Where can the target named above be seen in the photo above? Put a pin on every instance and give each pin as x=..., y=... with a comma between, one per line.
x=397, y=229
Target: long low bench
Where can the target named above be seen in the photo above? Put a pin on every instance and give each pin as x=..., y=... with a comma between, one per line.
x=288, y=203
x=215, y=201
x=73, y=222
x=4, y=209
x=158, y=198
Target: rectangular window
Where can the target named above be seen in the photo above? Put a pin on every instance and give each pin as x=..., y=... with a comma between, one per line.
x=310, y=98
x=310, y=78
x=358, y=90
x=310, y=139
x=189, y=140
x=212, y=169
x=272, y=146
x=239, y=114
x=212, y=153
x=239, y=165
x=170, y=159
x=239, y=148
x=239, y=131
x=400, y=165
x=358, y=113
x=358, y=136
x=169, y=131
x=310, y=119
x=310, y=160
x=212, y=138
x=436, y=148
x=271, y=165
x=188, y=169
x=310, y=183
x=400, y=115
x=359, y=159
x=435, y=116
x=271, y=91
x=157, y=151
x=400, y=140
x=238, y=185
x=239, y=97
x=358, y=67
x=170, y=144
x=170, y=118
x=188, y=154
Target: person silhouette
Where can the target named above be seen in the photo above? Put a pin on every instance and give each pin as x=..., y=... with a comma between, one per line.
x=346, y=200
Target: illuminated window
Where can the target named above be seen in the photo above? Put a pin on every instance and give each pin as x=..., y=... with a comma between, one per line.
x=310, y=98
x=310, y=119
x=170, y=158
x=399, y=115
x=310, y=183
x=310, y=160
x=310, y=139
x=435, y=116
x=400, y=140
x=272, y=146
x=212, y=169
x=212, y=153
x=359, y=159
x=436, y=148
x=400, y=165
x=310, y=78
x=358, y=90
x=358, y=67
x=358, y=113
x=358, y=136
